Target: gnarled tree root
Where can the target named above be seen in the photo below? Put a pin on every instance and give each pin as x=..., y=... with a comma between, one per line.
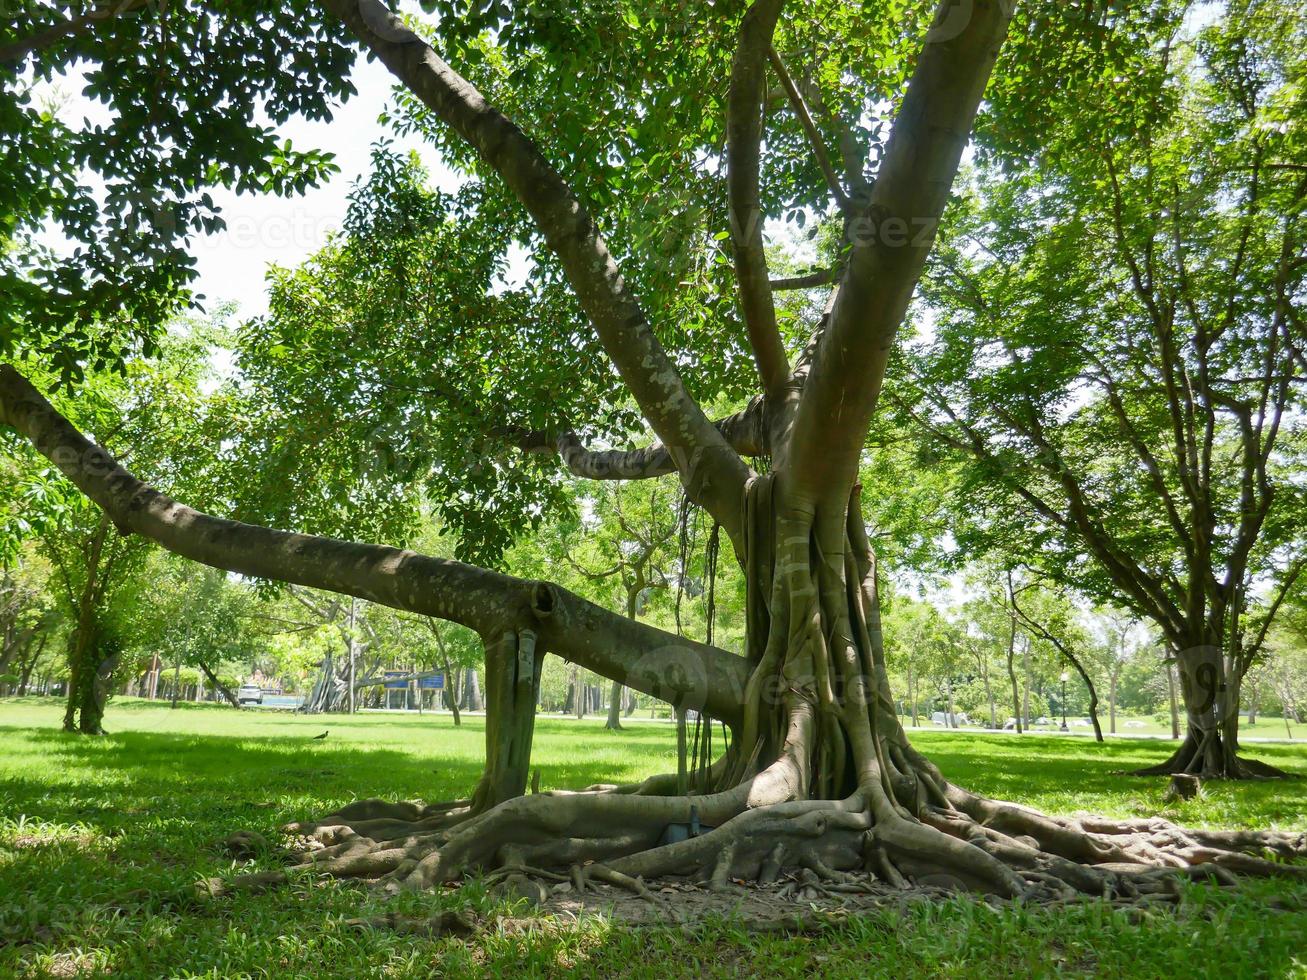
x=960, y=843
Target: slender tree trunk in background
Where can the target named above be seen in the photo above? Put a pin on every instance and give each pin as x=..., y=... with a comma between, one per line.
x=218, y=685
x=1093, y=702
x=989, y=696
x=26, y=672
x=472, y=699
x=454, y=691
x=1111, y=698
x=1170, y=690
x=176, y=682
x=1012, y=676
x=578, y=693
x=912, y=694
x=1029, y=684
x=950, y=718
x=84, y=664
x=353, y=611
x=614, y=722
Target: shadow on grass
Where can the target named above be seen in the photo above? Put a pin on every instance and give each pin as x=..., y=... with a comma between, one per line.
x=1066, y=775
x=130, y=772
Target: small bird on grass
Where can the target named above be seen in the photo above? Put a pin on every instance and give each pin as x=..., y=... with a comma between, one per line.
x=319, y=738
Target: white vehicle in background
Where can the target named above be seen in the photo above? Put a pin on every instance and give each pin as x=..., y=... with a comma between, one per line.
x=941, y=718
x=249, y=694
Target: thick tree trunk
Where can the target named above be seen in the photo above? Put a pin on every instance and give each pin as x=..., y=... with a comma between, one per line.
x=1210, y=746
x=513, y=666
x=1170, y=693
x=95, y=694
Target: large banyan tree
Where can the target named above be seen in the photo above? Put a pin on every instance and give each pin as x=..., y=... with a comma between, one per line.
x=683, y=128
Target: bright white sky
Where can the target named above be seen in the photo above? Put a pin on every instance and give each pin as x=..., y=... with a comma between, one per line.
x=263, y=229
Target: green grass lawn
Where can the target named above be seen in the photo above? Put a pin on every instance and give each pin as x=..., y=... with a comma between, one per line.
x=93, y=831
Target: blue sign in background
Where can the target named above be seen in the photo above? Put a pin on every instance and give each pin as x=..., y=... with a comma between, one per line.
x=436, y=682
x=395, y=685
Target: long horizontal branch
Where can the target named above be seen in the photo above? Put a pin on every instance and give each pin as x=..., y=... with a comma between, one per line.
x=805, y=280
x=744, y=431
x=713, y=473
x=638, y=655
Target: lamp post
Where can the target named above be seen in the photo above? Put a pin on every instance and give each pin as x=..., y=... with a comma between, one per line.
x=1065, y=675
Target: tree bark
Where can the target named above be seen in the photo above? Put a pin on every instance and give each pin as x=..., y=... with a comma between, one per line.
x=650, y=660
x=513, y=665
x=1210, y=745
x=614, y=722
x=1170, y=690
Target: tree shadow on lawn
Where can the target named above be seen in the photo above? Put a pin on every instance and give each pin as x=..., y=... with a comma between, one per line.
x=146, y=811
x=1064, y=775
x=110, y=783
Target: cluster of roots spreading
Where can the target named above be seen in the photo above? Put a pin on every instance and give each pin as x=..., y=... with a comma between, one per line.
x=819, y=776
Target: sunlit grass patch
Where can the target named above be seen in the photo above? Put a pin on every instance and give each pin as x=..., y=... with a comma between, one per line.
x=97, y=835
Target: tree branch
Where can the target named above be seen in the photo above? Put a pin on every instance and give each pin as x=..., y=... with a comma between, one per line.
x=744, y=431
x=800, y=108
x=744, y=130
x=640, y=656
x=890, y=241
x=70, y=27
x=806, y=280
x=713, y=473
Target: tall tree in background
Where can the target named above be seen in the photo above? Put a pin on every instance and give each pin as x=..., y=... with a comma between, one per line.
x=153, y=413
x=818, y=772
x=1119, y=352
x=630, y=544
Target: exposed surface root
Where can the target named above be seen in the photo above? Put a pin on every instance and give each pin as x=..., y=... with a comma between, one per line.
x=803, y=849
x=819, y=794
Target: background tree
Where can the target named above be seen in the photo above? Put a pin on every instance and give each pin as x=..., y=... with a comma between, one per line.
x=27, y=617
x=155, y=412
x=1117, y=356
